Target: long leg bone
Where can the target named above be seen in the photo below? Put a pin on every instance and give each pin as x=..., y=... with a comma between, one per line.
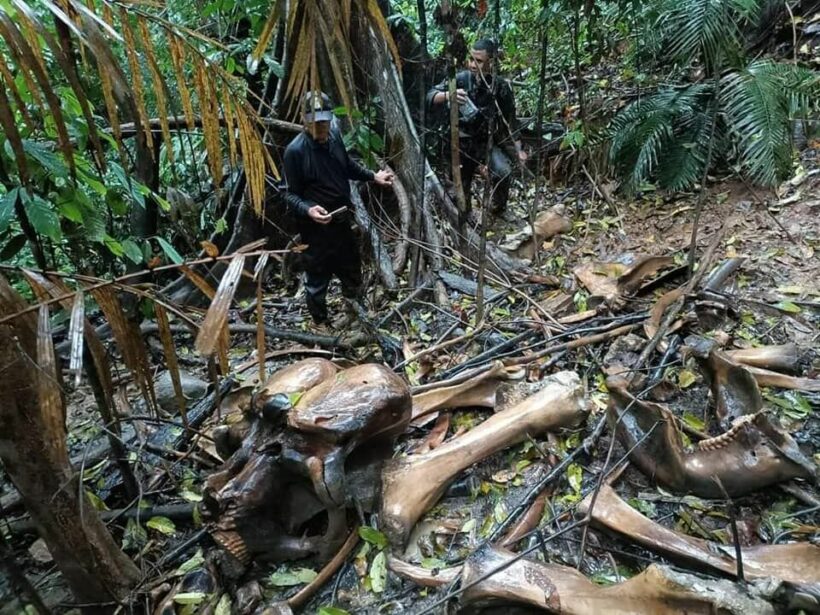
x=797, y=563
x=561, y=590
x=768, y=378
x=413, y=484
x=779, y=358
x=750, y=456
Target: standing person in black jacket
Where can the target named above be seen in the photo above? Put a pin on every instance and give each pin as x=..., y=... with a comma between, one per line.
x=317, y=170
x=482, y=98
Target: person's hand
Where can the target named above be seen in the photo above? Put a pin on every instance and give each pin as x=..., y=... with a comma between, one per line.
x=383, y=178
x=319, y=214
x=461, y=96
x=483, y=171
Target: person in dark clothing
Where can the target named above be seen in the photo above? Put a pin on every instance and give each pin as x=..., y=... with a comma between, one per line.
x=482, y=99
x=317, y=171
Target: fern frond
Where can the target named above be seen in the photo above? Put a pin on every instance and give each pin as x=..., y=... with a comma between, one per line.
x=758, y=102
x=643, y=133
x=707, y=30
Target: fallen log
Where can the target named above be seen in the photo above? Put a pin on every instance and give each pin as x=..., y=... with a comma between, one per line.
x=175, y=512
x=329, y=341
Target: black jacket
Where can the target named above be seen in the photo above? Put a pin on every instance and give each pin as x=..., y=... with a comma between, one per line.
x=490, y=101
x=319, y=174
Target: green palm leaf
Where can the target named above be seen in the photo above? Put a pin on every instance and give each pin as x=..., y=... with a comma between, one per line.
x=707, y=30
x=761, y=102
x=663, y=136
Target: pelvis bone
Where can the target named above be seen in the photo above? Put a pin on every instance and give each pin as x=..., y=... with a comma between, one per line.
x=750, y=456
x=798, y=564
x=551, y=588
x=411, y=485
x=314, y=436
x=480, y=390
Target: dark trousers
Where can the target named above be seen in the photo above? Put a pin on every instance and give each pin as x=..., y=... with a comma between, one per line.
x=332, y=250
x=500, y=175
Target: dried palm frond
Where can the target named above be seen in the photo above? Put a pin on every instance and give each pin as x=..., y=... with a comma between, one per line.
x=76, y=330
x=129, y=339
x=110, y=31
x=200, y=282
x=259, y=274
x=325, y=22
x=33, y=28
x=160, y=89
x=171, y=358
x=48, y=389
x=211, y=334
x=28, y=62
x=54, y=288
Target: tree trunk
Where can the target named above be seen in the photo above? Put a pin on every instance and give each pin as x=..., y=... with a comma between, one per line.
x=34, y=454
x=404, y=154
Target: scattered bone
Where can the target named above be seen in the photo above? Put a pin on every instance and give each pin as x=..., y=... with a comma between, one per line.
x=556, y=589
x=768, y=378
x=295, y=378
x=481, y=391
x=733, y=387
x=756, y=455
x=548, y=224
x=614, y=282
x=783, y=358
x=797, y=563
x=422, y=576
x=411, y=485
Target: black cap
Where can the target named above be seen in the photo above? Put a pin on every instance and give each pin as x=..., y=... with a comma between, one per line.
x=317, y=107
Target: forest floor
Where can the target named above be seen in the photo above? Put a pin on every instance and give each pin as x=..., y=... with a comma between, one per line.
x=773, y=299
